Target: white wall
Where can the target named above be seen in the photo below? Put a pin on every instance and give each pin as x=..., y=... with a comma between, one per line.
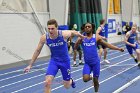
x=127, y=8
x=58, y=10
x=129, y=12
x=136, y=19
x=113, y=37
x=18, y=38
x=104, y=4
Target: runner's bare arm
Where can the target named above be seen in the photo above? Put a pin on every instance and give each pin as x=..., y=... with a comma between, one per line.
x=102, y=42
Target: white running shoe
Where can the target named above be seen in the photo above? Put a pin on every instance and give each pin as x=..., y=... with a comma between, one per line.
x=106, y=61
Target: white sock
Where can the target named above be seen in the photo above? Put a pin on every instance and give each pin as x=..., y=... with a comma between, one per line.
x=74, y=62
x=80, y=61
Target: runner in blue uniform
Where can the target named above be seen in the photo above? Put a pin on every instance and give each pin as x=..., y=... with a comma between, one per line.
x=91, y=58
x=57, y=42
x=101, y=31
x=79, y=50
x=131, y=41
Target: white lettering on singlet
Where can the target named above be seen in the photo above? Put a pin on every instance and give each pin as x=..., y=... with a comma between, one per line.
x=133, y=37
x=55, y=44
x=103, y=30
x=89, y=44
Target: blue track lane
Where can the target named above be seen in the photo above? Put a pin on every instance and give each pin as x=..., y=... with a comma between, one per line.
x=120, y=71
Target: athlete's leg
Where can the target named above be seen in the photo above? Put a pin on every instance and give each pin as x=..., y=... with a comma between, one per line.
x=133, y=56
x=50, y=74
x=48, y=82
x=69, y=83
x=66, y=74
x=100, y=52
x=74, y=55
x=96, y=84
x=80, y=54
x=86, y=73
x=80, y=57
x=105, y=53
x=138, y=56
x=96, y=73
x=130, y=51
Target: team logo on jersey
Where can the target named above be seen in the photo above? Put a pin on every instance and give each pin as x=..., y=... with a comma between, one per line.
x=56, y=44
x=133, y=37
x=103, y=30
x=89, y=44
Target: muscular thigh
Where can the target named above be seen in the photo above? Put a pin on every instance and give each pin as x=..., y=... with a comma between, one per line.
x=86, y=69
x=52, y=68
x=96, y=69
x=65, y=70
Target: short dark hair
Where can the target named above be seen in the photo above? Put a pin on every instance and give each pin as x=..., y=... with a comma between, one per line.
x=93, y=28
x=52, y=22
x=102, y=21
x=83, y=27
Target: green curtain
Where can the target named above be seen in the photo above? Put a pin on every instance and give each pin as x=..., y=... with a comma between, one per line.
x=82, y=11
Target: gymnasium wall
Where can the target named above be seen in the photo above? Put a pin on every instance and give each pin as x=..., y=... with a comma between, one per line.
x=59, y=10
x=130, y=13
x=113, y=37
x=104, y=4
x=19, y=37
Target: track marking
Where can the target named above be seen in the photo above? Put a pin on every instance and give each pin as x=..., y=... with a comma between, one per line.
x=108, y=79
x=127, y=85
x=121, y=65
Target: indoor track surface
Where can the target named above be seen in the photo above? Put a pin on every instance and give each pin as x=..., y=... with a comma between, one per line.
x=122, y=75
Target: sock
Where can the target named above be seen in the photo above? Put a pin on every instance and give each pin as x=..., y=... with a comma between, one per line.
x=91, y=78
x=74, y=62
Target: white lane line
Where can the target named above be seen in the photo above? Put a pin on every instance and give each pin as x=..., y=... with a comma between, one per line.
x=121, y=65
x=22, y=69
x=42, y=74
x=109, y=79
x=61, y=76
x=101, y=70
x=35, y=77
x=48, y=62
x=34, y=70
x=127, y=85
x=37, y=70
x=40, y=83
x=20, y=81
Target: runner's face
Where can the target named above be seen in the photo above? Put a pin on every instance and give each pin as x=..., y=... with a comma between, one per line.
x=52, y=29
x=134, y=29
x=88, y=28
